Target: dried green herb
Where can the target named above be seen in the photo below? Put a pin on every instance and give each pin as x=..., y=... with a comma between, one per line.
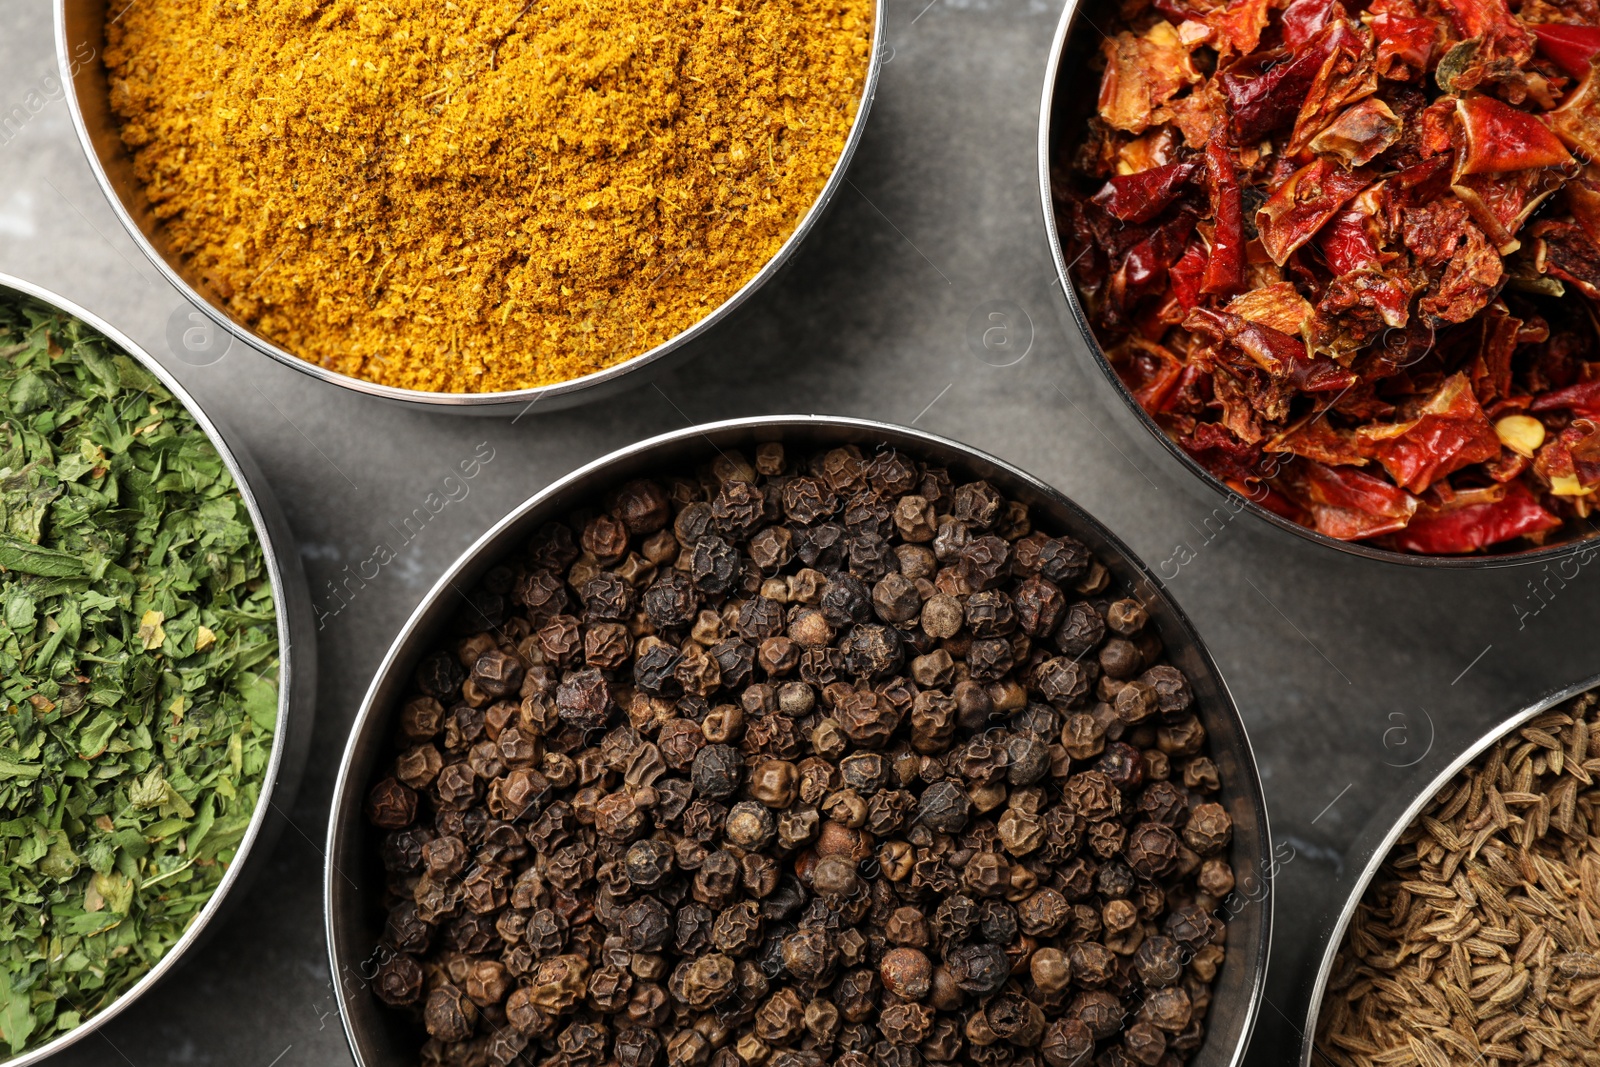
x=138, y=671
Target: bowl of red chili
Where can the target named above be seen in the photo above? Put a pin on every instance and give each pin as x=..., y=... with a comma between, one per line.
x=1344, y=262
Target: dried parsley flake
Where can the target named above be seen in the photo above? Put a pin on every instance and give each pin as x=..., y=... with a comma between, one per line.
x=138, y=671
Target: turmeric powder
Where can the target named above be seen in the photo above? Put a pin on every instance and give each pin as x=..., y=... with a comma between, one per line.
x=482, y=196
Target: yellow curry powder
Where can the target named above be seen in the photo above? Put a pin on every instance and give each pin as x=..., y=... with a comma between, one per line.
x=482, y=195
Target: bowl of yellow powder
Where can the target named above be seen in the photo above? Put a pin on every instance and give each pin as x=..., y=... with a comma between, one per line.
x=492, y=207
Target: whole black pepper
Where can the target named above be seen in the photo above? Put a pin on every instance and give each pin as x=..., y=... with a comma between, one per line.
x=449, y=1015
x=978, y=969
x=808, y=762
x=716, y=771
x=399, y=981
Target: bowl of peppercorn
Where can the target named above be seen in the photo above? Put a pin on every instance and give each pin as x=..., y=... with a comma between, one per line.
x=797, y=741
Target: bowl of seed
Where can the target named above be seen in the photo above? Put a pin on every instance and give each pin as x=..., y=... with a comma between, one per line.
x=482, y=208
x=790, y=742
x=156, y=710
x=1471, y=935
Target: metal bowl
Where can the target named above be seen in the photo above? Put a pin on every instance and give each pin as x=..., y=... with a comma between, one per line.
x=1380, y=836
x=297, y=680
x=1071, y=89
x=80, y=42
x=354, y=877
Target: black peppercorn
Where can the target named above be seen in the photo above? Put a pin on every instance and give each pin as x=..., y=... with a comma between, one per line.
x=701, y=805
x=399, y=981
x=717, y=770
x=737, y=509
x=449, y=1015
x=607, y=597
x=440, y=676
x=978, y=968
x=642, y=506
x=1081, y=630
x=584, y=699
x=671, y=600
x=636, y=1047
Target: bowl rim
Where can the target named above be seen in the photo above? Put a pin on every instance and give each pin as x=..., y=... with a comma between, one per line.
x=1047, y=116
x=369, y=716
x=288, y=665
x=1386, y=843
x=492, y=402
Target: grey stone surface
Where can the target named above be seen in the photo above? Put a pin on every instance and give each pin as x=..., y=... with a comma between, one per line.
x=1343, y=669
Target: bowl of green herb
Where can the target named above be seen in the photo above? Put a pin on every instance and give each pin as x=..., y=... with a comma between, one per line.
x=148, y=595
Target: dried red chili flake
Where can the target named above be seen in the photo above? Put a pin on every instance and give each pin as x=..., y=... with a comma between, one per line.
x=1450, y=432
x=1348, y=504
x=1571, y=48
x=1239, y=24
x=1501, y=138
x=1491, y=19
x=1304, y=19
x=1305, y=203
x=1582, y=400
x=1149, y=371
x=1406, y=45
x=1282, y=356
x=1225, y=269
x=1475, y=520
x=1142, y=196
x=1333, y=248
x=1189, y=275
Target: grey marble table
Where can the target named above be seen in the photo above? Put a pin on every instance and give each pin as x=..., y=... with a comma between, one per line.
x=1345, y=671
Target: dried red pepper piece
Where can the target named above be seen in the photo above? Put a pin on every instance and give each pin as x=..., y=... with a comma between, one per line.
x=1577, y=120
x=1501, y=138
x=1223, y=454
x=1569, y=47
x=1347, y=76
x=1582, y=400
x=1501, y=203
x=1348, y=242
x=1262, y=494
x=1145, y=266
x=1490, y=19
x=1188, y=275
x=1142, y=196
x=1476, y=521
x=1472, y=278
x=1405, y=45
x=1149, y=371
x=1225, y=270
x=1347, y=504
x=1304, y=19
x=1283, y=357
x=1239, y=25
x=1449, y=433
x=1193, y=392
x=1359, y=134
x=1491, y=368
x=1317, y=439
x=1583, y=200
x=1304, y=203
x=1142, y=73
x=1562, y=250
x=1368, y=299
x=1570, y=462
x=1264, y=103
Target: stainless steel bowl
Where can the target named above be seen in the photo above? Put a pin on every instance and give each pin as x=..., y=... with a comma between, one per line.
x=1071, y=90
x=80, y=43
x=297, y=679
x=354, y=877
x=1380, y=836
